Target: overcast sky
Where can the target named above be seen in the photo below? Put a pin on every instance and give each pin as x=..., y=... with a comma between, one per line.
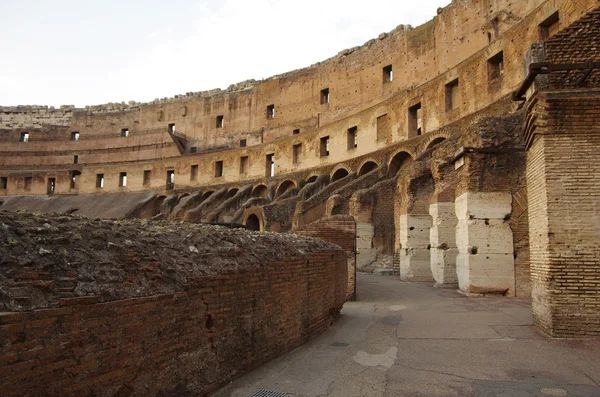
x=83, y=52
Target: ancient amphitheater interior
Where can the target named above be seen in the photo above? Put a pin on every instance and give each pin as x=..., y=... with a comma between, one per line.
x=462, y=152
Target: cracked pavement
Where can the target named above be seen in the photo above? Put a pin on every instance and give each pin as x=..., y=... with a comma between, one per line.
x=410, y=339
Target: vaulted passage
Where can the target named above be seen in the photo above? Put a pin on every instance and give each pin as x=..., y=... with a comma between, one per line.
x=284, y=187
x=252, y=223
x=367, y=167
x=399, y=160
x=339, y=174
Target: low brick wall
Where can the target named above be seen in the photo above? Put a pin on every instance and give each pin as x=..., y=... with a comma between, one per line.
x=339, y=230
x=184, y=343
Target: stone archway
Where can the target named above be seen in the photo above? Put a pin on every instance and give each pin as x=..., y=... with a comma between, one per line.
x=339, y=174
x=435, y=142
x=367, y=167
x=284, y=187
x=252, y=222
x=399, y=160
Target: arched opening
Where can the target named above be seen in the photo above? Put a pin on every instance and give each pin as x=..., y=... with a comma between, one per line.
x=312, y=179
x=231, y=193
x=284, y=187
x=182, y=196
x=252, y=222
x=399, y=160
x=260, y=191
x=436, y=141
x=367, y=167
x=206, y=195
x=339, y=174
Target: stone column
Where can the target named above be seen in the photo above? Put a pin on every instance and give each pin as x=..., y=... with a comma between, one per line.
x=485, y=261
x=443, y=244
x=414, y=255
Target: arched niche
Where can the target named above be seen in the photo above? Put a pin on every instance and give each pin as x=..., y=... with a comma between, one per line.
x=339, y=174
x=400, y=159
x=435, y=142
x=252, y=222
x=231, y=193
x=367, y=167
x=284, y=187
x=260, y=191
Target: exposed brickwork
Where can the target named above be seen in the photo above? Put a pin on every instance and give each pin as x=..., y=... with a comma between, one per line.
x=577, y=43
x=339, y=230
x=181, y=343
x=563, y=173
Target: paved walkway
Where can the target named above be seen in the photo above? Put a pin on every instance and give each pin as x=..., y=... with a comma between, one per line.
x=406, y=339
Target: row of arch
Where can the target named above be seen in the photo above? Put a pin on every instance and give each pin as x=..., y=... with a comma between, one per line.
x=400, y=159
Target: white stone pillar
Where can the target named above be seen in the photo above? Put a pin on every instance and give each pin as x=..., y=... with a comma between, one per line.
x=485, y=261
x=414, y=255
x=365, y=253
x=443, y=244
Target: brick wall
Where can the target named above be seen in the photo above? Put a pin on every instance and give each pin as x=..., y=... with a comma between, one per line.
x=339, y=230
x=564, y=195
x=178, y=343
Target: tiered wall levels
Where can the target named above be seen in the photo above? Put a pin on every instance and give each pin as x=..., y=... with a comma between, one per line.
x=441, y=72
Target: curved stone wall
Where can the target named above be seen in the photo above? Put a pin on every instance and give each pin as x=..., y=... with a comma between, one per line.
x=441, y=73
x=145, y=309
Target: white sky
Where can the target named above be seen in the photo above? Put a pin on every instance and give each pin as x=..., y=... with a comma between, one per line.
x=82, y=52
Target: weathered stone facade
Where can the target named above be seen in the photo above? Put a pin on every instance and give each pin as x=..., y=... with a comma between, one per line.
x=414, y=135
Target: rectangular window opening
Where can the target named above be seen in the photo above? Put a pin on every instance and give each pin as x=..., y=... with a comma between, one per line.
x=99, y=181
x=172, y=128
x=52, y=185
x=243, y=164
x=194, y=172
x=24, y=136
x=28, y=182
x=170, y=179
x=220, y=121
x=495, y=66
x=324, y=146
x=74, y=179
x=124, y=132
x=75, y=159
x=414, y=120
x=271, y=112
x=388, y=75
x=242, y=143
x=218, y=169
x=297, y=152
x=122, y=179
x=452, y=100
x=3, y=183
x=270, y=165
x=193, y=149
x=324, y=96
x=147, y=177
x=75, y=136
x=549, y=26
x=296, y=131
x=352, y=137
